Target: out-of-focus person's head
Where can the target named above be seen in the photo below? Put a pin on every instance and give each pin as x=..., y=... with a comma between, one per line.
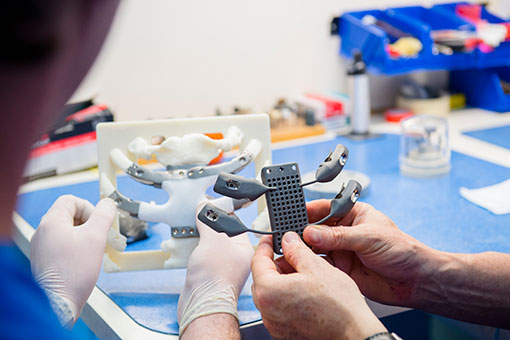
x=47, y=46
x=32, y=31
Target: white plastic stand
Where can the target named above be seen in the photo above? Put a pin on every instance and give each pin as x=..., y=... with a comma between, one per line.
x=183, y=195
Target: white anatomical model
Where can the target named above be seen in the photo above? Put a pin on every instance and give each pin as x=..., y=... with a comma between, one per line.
x=186, y=179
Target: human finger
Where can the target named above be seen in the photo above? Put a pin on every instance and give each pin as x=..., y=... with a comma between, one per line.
x=337, y=238
x=318, y=209
x=226, y=204
x=342, y=259
x=101, y=217
x=83, y=210
x=283, y=266
x=262, y=262
x=298, y=254
x=355, y=216
x=242, y=240
x=68, y=210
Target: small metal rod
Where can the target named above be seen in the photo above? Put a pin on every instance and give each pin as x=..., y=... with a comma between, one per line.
x=262, y=232
x=323, y=220
x=305, y=184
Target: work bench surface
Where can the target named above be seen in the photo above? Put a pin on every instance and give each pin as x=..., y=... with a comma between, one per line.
x=431, y=210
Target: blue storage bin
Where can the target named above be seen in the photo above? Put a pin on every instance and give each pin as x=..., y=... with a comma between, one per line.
x=419, y=22
x=483, y=88
x=451, y=10
x=501, y=54
x=372, y=41
x=433, y=19
x=474, y=73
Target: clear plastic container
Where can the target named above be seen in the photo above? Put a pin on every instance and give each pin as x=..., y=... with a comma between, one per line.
x=424, y=146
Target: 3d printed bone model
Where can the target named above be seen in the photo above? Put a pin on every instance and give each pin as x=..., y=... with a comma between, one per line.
x=185, y=177
x=282, y=187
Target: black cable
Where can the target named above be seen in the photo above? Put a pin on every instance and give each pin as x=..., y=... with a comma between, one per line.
x=323, y=220
x=263, y=232
x=305, y=184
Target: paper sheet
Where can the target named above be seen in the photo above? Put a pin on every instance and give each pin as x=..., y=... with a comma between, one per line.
x=495, y=198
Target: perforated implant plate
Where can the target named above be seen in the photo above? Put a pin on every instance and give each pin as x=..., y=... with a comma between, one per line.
x=286, y=205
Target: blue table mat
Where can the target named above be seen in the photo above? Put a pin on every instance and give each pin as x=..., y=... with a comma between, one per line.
x=499, y=136
x=431, y=210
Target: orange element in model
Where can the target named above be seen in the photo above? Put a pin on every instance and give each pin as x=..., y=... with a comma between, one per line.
x=142, y=161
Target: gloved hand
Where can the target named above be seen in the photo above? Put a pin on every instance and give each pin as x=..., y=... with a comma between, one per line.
x=388, y=265
x=66, y=252
x=217, y=271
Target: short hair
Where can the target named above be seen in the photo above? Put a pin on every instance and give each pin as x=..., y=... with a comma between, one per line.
x=29, y=29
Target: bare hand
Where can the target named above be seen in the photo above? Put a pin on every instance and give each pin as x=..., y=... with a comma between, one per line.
x=301, y=296
x=386, y=263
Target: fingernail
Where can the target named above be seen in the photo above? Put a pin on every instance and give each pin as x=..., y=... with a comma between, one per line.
x=291, y=237
x=315, y=234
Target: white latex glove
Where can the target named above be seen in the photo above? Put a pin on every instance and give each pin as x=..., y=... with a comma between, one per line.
x=217, y=271
x=66, y=252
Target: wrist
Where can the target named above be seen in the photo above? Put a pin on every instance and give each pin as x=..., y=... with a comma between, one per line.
x=219, y=326
x=53, y=286
x=432, y=278
x=384, y=336
x=206, y=299
x=362, y=324
x=64, y=308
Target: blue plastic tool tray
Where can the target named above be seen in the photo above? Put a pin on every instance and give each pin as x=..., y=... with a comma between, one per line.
x=501, y=55
x=419, y=22
x=483, y=87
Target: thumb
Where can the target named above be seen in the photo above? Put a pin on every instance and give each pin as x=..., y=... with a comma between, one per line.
x=102, y=216
x=336, y=238
x=298, y=255
x=204, y=231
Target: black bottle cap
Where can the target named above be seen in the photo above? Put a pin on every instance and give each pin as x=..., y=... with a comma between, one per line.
x=358, y=66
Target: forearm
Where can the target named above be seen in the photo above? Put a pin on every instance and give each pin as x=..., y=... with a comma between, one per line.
x=467, y=287
x=221, y=326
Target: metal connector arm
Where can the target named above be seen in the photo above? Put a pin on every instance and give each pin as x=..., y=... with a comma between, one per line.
x=139, y=173
x=344, y=201
x=222, y=222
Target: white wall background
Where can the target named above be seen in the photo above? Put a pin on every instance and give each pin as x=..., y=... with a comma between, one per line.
x=176, y=58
